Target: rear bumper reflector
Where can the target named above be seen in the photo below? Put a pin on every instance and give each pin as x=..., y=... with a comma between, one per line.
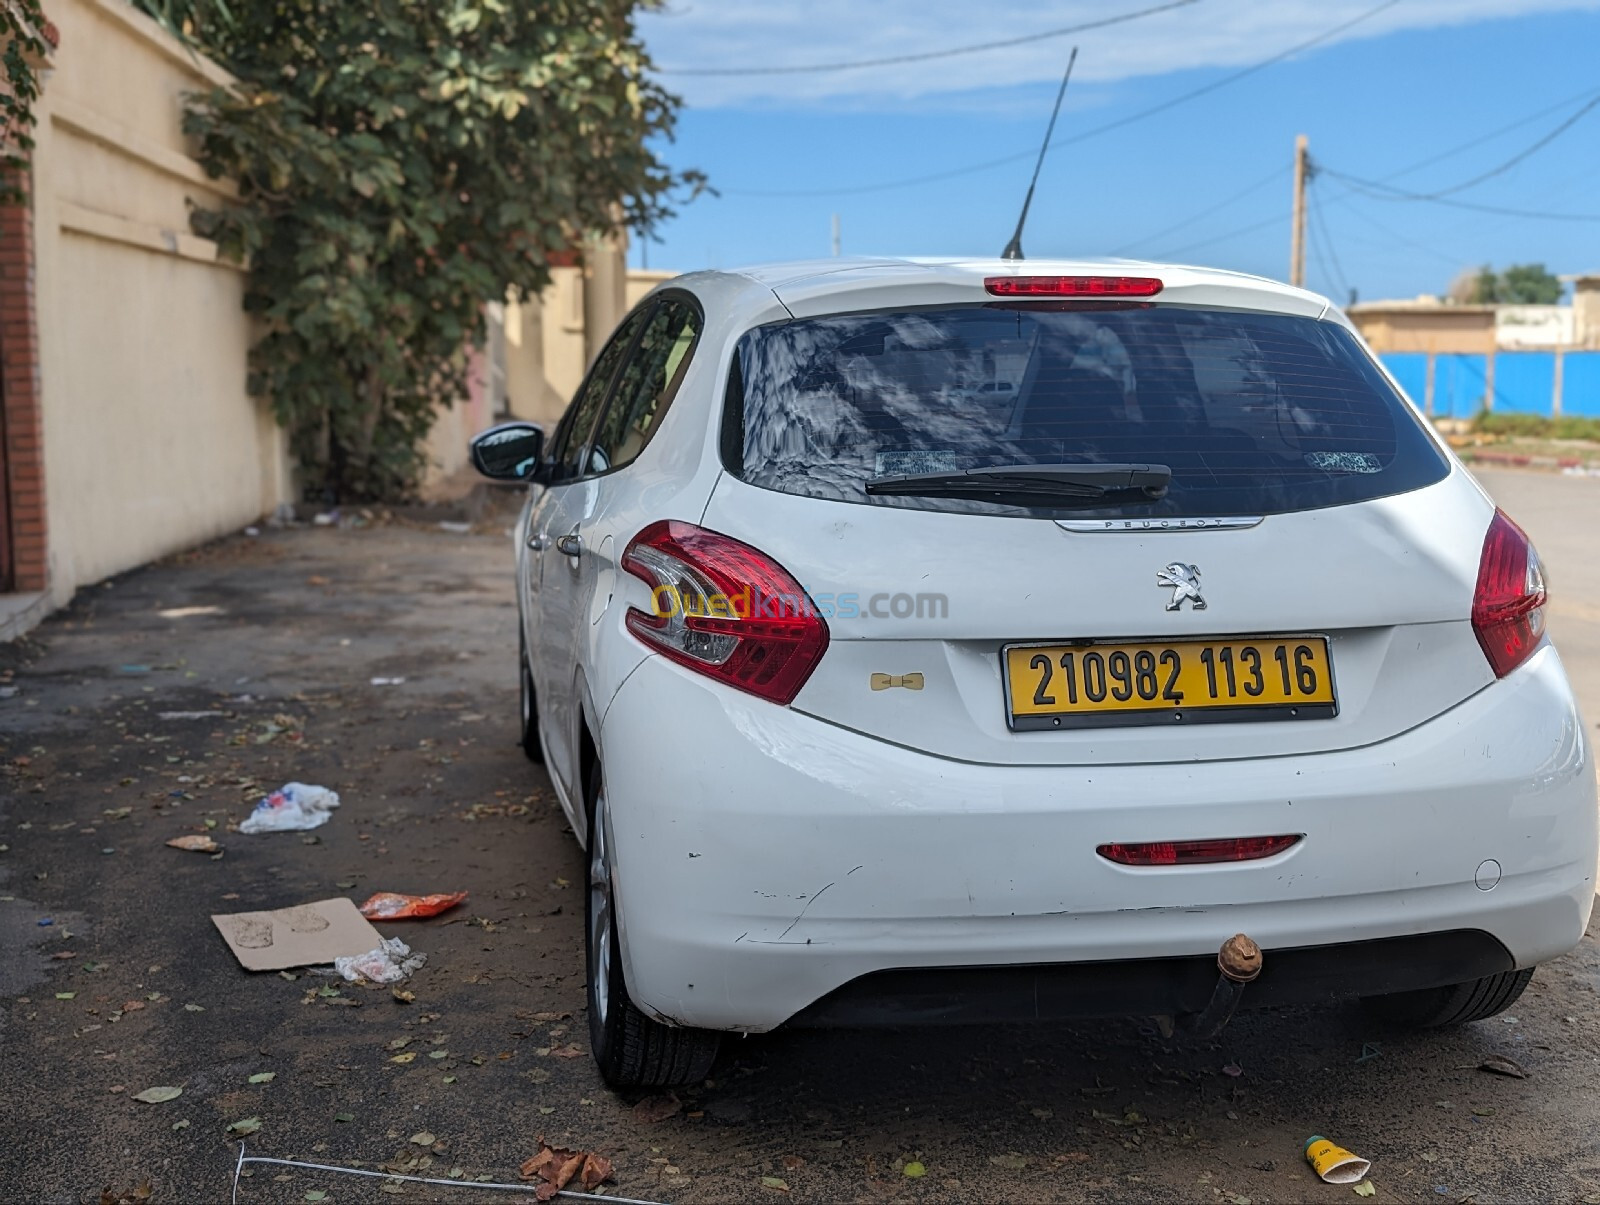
x=1190, y=853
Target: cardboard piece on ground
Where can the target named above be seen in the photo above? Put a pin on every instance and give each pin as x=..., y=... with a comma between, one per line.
x=305, y=935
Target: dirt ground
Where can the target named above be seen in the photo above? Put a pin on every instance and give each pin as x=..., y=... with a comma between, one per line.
x=167, y=701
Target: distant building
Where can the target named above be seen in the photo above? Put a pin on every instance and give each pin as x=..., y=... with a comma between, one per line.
x=1585, y=309
x=1425, y=324
x=1533, y=327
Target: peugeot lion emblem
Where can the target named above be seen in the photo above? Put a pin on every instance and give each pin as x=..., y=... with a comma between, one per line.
x=1185, y=583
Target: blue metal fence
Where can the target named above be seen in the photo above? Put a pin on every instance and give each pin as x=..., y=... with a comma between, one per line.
x=1524, y=382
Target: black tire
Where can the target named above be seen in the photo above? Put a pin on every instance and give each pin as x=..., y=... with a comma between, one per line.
x=1456, y=1004
x=529, y=704
x=631, y=1049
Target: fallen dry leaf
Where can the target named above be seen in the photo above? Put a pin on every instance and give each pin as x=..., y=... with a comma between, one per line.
x=199, y=843
x=158, y=1096
x=596, y=1170
x=654, y=1109
x=556, y=1167
x=1498, y=1064
x=568, y=1051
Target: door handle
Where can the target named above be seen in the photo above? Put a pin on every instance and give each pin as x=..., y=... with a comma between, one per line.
x=538, y=541
x=570, y=544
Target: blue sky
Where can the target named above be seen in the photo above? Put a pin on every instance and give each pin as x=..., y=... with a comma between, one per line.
x=1399, y=88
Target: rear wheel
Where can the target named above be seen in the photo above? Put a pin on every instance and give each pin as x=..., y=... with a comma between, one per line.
x=1456, y=1004
x=529, y=738
x=632, y=1050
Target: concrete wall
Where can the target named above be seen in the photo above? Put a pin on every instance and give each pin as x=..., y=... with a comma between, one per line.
x=152, y=443
x=1533, y=326
x=1586, y=311
x=1412, y=327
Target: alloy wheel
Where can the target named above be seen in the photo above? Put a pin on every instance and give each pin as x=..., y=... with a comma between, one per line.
x=599, y=910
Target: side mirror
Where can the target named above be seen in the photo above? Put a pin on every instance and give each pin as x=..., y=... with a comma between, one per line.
x=509, y=452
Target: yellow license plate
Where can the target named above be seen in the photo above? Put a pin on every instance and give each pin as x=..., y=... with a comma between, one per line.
x=1197, y=681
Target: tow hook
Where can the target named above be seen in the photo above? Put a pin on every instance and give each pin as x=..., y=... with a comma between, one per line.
x=1239, y=961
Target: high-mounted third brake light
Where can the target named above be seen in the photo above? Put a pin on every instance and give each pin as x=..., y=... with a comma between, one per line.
x=1073, y=286
x=1508, y=605
x=724, y=609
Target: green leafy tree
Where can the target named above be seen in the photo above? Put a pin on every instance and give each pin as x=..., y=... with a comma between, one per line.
x=26, y=37
x=1528, y=284
x=399, y=164
x=1520, y=284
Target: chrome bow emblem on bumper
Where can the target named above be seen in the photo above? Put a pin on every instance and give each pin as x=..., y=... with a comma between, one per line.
x=1185, y=583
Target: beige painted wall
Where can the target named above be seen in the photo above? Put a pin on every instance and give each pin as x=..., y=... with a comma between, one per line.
x=151, y=442
x=1413, y=328
x=641, y=281
x=552, y=339
x=1586, y=311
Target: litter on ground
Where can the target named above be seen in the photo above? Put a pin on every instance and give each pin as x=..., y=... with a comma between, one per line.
x=306, y=935
x=391, y=905
x=390, y=961
x=196, y=842
x=1334, y=1164
x=293, y=807
x=531, y=1190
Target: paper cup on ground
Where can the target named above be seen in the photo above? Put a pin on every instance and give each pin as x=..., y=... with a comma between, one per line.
x=1334, y=1164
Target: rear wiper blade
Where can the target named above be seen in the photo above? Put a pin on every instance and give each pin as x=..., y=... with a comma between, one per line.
x=1061, y=482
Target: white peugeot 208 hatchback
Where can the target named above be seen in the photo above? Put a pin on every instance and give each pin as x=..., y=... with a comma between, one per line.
x=983, y=640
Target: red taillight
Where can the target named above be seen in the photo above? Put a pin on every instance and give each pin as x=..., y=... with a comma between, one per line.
x=1508, y=605
x=1072, y=286
x=1189, y=853
x=725, y=609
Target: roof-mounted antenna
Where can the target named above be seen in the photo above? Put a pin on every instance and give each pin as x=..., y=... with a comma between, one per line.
x=1014, y=247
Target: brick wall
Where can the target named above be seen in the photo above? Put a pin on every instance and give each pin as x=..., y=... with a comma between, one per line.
x=19, y=387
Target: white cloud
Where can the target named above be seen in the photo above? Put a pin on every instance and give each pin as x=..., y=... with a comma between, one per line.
x=1210, y=33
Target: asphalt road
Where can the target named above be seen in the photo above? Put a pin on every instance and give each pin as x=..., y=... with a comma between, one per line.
x=138, y=718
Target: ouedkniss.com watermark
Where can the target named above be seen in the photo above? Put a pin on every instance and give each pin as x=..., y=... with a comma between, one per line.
x=669, y=601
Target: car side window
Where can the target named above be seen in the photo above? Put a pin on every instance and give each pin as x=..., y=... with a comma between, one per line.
x=573, y=436
x=645, y=386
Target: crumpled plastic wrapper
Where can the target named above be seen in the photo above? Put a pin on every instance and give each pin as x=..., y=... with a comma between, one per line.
x=391, y=905
x=294, y=807
x=391, y=962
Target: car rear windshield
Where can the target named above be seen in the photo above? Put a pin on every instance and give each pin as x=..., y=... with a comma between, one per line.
x=1254, y=413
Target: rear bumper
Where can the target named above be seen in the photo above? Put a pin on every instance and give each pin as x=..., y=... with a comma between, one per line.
x=773, y=858
x=1060, y=991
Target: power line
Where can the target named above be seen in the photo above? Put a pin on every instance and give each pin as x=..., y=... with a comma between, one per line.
x=1172, y=103
x=1383, y=192
x=1527, y=151
x=1392, y=235
x=1221, y=238
x=1492, y=134
x=1320, y=235
x=893, y=60
x=1275, y=174
x=1345, y=198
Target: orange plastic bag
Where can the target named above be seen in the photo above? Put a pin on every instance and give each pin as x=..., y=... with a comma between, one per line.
x=391, y=905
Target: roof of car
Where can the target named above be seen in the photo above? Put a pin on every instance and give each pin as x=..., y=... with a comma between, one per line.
x=816, y=286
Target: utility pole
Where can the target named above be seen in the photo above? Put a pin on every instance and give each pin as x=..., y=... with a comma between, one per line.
x=836, y=236
x=1297, y=235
